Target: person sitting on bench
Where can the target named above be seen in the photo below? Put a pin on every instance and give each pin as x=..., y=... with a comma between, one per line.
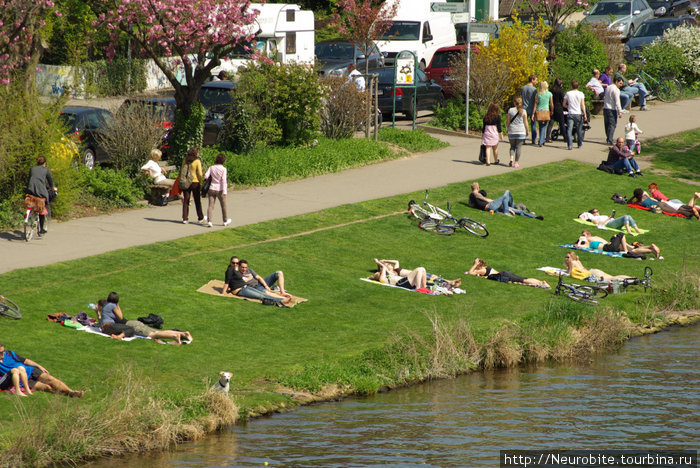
x=155, y=171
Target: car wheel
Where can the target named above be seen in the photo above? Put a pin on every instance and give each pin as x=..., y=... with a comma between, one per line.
x=410, y=112
x=89, y=159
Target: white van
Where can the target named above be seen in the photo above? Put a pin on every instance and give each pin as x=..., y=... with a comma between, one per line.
x=283, y=32
x=417, y=29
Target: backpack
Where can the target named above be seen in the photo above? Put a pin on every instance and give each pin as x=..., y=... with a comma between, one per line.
x=153, y=320
x=618, y=198
x=186, y=181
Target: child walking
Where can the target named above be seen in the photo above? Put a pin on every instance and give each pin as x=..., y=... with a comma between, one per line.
x=631, y=132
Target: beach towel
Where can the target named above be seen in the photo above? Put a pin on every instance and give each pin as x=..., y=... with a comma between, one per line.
x=216, y=287
x=640, y=207
x=98, y=331
x=588, y=223
x=420, y=290
x=588, y=249
x=553, y=271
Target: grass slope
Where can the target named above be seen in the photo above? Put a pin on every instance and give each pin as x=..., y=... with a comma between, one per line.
x=323, y=256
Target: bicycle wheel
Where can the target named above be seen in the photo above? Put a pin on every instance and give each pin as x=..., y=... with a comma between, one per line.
x=9, y=308
x=581, y=297
x=668, y=90
x=431, y=225
x=474, y=227
x=31, y=226
x=417, y=210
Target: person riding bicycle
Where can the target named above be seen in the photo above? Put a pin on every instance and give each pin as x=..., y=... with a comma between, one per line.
x=37, y=193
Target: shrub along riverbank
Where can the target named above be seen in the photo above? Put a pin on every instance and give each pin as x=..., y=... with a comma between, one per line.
x=351, y=337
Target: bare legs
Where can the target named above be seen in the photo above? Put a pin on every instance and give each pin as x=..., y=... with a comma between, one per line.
x=418, y=278
x=49, y=383
x=538, y=283
x=20, y=374
x=175, y=335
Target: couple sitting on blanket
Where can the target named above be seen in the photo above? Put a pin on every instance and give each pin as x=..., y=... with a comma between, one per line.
x=503, y=204
x=658, y=199
x=245, y=282
x=391, y=273
x=617, y=243
x=480, y=268
x=114, y=324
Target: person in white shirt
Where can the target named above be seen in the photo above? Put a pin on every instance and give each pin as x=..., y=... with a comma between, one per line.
x=631, y=131
x=153, y=169
x=574, y=103
x=356, y=77
x=612, y=109
x=595, y=85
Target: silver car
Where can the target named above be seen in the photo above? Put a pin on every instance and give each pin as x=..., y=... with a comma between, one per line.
x=624, y=16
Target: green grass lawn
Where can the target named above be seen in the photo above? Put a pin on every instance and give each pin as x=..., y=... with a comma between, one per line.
x=679, y=154
x=345, y=318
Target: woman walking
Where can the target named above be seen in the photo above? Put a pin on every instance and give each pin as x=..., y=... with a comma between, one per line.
x=190, y=179
x=558, y=114
x=517, y=129
x=543, y=109
x=492, y=132
x=218, y=189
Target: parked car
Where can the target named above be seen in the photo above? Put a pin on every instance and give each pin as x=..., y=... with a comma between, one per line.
x=216, y=97
x=441, y=65
x=624, y=16
x=333, y=57
x=84, y=125
x=162, y=108
x=670, y=7
x=428, y=93
x=653, y=29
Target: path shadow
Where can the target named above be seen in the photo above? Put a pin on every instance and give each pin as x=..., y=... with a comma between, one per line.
x=159, y=220
x=12, y=235
x=476, y=163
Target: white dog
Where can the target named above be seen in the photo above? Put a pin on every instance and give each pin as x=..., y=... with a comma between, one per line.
x=223, y=383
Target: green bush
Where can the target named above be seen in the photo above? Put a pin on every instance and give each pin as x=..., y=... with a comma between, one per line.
x=451, y=116
x=579, y=51
x=115, y=187
x=236, y=133
x=187, y=133
x=413, y=140
x=687, y=38
x=664, y=58
x=114, y=78
x=284, y=102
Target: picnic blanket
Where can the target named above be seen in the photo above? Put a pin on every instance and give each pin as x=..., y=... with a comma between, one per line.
x=420, y=290
x=640, y=207
x=553, y=271
x=436, y=291
x=605, y=228
x=95, y=330
x=588, y=249
x=216, y=287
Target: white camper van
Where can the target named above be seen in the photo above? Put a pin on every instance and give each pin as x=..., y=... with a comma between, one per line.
x=283, y=32
x=417, y=29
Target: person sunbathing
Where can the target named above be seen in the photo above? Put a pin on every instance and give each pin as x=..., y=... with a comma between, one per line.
x=572, y=262
x=480, y=268
x=603, y=221
x=618, y=243
x=642, y=198
x=390, y=272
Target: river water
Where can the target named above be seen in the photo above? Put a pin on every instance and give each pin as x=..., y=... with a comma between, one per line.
x=644, y=396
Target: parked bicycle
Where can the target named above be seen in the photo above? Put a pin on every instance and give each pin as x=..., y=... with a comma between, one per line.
x=9, y=308
x=667, y=88
x=588, y=294
x=645, y=281
x=440, y=221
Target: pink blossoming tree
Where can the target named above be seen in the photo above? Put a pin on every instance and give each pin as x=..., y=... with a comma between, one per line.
x=192, y=36
x=20, y=34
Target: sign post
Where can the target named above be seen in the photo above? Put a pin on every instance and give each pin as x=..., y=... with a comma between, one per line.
x=449, y=7
x=404, y=76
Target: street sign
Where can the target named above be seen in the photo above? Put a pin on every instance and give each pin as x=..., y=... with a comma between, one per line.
x=478, y=37
x=488, y=28
x=449, y=7
x=460, y=18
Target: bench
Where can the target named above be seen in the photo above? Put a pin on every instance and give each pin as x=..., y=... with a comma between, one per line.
x=597, y=106
x=160, y=195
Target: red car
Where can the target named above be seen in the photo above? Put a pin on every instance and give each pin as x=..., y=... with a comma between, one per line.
x=441, y=64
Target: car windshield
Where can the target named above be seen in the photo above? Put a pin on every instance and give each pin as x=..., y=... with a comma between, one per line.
x=444, y=59
x=334, y=51
x=655, y=28
x=611, y=8
x=215, y=98
x=403, y=31
x=258, y=45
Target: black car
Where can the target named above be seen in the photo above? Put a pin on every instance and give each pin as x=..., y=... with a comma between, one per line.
x=333, y=57
x=162, y=109
x=216, y=97
x=654, y=29
x=670, y=7
x=428, y=93
x=84, y=124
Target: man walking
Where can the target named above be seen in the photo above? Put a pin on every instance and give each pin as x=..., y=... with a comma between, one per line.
x=612, y=109
x=574, y=102
x=529, y=94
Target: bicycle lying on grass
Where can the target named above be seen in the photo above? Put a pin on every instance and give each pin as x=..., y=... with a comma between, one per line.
x=579, y=293
x=439, y=221
x=645, y=281
x=9, y=308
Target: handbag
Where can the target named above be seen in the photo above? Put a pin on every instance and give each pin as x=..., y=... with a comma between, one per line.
x=205, y=187
x=482, y=154
x=543, y=115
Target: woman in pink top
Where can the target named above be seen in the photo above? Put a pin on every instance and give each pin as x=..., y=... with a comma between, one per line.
x=218, y=188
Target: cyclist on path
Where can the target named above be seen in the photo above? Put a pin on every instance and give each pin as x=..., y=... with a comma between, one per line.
x=40, y=182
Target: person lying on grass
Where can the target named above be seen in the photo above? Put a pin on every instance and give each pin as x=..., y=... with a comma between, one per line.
x=503, y=204
x=115, y=325
x=35, y=377
x=599, y=220
x=617, y=243
x=480, y=268
x=390, y=272
x=572, y=263
x=244, y=282
x=640, y=197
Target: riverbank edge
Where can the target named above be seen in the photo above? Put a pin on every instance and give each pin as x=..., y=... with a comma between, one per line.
x=224, y=413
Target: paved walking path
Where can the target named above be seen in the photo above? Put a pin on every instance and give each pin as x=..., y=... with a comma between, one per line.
x=94, y=235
